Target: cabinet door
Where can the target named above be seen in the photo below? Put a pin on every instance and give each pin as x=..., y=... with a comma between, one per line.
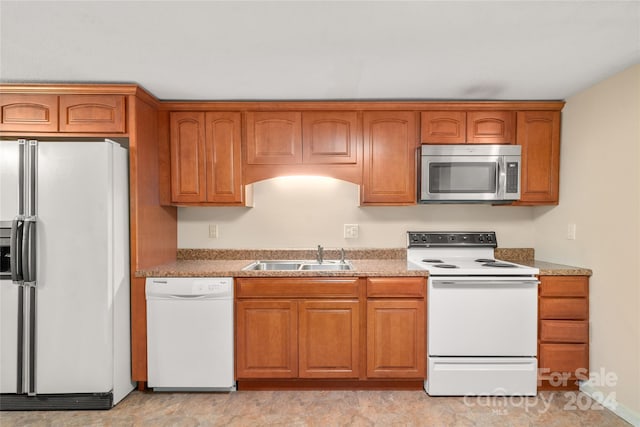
x=187, y=157
x=92, y=113
x=274, y=138
x=538, y=132
x=28, y=113
x=223, y=161
x=390, y=150
x=329, y=137
x=443, y=127
x=329, y=339
x=266, y=339
x=491, y=127
x=396, y=338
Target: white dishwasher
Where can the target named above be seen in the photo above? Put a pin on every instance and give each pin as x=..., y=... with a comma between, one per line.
x=190, y=334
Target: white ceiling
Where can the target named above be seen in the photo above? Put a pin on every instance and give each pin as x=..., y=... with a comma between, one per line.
x=323, y=50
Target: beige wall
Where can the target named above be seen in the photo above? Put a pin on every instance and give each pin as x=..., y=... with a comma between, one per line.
x=600, y=193
x=303, y=213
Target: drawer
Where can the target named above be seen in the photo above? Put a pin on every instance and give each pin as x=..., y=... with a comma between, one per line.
x=567, y=358
x=396, y=287
x=564, y=308
x=564, y=286
x=297, y=287
x=564, y=331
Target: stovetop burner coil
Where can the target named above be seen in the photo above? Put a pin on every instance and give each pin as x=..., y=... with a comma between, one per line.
x=498, y=264
x=446, y=266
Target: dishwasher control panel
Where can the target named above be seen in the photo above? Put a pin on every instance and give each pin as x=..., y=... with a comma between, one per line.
x=189, y=287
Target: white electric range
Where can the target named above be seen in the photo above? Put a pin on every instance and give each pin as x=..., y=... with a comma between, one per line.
x=481, y=315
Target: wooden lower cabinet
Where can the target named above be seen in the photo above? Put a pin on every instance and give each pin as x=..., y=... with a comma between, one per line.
x=563, y=331
x=329, y=339
x=396, y=328
x=312, y=330
x=266, y=339
x=323, y=332
x=396, y=339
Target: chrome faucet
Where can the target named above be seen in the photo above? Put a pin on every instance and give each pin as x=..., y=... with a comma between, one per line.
x=342, y=257
x=320, y=256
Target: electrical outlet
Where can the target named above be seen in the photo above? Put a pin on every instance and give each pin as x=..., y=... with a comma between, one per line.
x=213, y=231
x=571, y=232
x=351, y=231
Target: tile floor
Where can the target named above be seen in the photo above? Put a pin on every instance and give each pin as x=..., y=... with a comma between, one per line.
x=329, y=408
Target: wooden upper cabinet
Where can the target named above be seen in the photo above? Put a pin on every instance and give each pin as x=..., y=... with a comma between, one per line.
x=443, y=127
x=539, y=135
x=29, y=113
x=92, y=113
x=468, y=127
x=223, y=158
x=389, y=168
x=491, y=127
x=329, y=137
x=205, y=158
x=274, y=138
x=188, y=167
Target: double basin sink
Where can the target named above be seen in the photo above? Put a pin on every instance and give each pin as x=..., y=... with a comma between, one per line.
x=300, y=265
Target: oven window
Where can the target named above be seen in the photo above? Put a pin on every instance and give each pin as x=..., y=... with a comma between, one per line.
x=463, y=177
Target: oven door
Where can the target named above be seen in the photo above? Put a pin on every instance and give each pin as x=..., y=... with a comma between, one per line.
x=462, y=178
x=482, y=316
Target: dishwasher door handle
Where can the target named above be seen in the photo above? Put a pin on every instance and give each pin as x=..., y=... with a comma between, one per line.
x=182, y=297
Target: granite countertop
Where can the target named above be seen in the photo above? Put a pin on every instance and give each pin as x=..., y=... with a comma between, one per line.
x=366, y=262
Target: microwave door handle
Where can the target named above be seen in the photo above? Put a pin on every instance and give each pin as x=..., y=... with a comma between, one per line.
x=501, y=178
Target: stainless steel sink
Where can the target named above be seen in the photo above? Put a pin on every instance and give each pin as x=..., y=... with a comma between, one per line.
x=326, y=267
x=300, y=265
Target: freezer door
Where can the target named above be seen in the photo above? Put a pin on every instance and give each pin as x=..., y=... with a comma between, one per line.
x=8, y=336
x=9, y=161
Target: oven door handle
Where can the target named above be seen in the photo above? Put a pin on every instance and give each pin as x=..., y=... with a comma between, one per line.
x=485, y=283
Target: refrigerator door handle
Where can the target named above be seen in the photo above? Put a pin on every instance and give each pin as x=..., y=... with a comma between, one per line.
x=28, y=251
x=15, y=248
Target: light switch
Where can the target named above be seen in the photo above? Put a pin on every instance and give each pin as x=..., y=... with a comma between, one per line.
x=213, y=231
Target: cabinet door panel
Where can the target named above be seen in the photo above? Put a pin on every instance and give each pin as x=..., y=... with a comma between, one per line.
x=92, y=113
x=396, y=287
x=33, y=113
x=564, y=308
x=491, y=127
x=390, y=150
x=329, y=339
x=564, y=286
x=396, y=339
x=274, y=138
x=223, y=161
x=329, y=137
x=266, y=339
x=538, y=132
x=564, y=358
x=187, y=157
x=443, y=127
x=564, y=331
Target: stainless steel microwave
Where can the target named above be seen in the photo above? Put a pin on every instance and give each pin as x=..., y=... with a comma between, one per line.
x=470, y=173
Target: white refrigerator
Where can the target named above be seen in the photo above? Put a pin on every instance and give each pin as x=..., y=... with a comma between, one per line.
x=65, y=316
